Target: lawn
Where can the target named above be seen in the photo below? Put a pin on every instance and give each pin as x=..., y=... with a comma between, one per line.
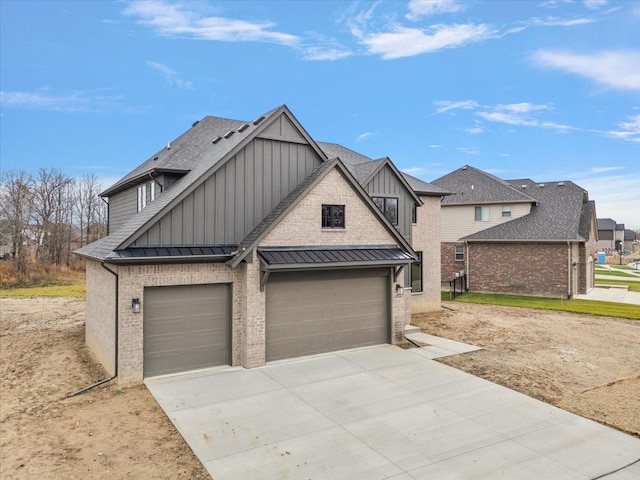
x=633, y=286
x=615, y=273
x=592, y=307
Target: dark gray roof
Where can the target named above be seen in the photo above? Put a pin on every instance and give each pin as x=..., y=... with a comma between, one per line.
x=424, y=188
x=349, y=157
x=629, y=235
x=357, y=255
x=559, y=214
x=470, y=185
x=142, y=254
x=606, y=224
x=184, y=153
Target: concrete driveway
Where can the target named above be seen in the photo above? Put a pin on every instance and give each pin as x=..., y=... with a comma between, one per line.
x=382, y=412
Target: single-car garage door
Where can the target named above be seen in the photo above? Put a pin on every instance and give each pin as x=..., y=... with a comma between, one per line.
x=186, y=327
x=324, y=311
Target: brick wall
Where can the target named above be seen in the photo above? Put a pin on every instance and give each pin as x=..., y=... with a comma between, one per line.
x=537, y=269
x=100, y=314
x=426, y=239
x=449, y=266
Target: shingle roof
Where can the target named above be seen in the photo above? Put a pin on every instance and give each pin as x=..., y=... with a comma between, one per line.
x=348, y=156
x=560, y=214
x=424, y=188
x=606, y=224
x=470, y=185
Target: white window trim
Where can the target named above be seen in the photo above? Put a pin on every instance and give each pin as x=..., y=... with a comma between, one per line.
x=455, y=253
x=142, y=196
x=483, y=209
x=152, y=190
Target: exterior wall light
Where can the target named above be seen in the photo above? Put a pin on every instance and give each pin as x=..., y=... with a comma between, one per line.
x=135, y=305
x=399, y=290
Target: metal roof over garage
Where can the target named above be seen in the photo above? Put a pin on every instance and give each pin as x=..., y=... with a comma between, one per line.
x=154, y=254
x=290, y=257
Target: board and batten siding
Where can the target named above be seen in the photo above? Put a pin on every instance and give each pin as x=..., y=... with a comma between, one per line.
x=122, y=206
x=458, y=221
x=236, y=197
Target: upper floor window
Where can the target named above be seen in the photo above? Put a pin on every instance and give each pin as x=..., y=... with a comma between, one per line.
x=332, y=216
x=414, y=213
x=389, y=206
x=152, y=191
x=482, y=214
x=459, y=253
x=506, y=210
x=142, y=196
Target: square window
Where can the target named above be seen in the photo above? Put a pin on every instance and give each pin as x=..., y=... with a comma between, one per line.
x=459, y=253
x=416, y=274
x=506, y=210
x=332, y=216
x=482, y=214
x=388, y=206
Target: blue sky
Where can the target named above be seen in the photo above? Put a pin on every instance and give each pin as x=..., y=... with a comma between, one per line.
x=548, y=90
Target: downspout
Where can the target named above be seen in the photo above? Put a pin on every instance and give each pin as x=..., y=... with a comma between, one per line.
x=115, y=353
x=466, y=266
x=568, y=270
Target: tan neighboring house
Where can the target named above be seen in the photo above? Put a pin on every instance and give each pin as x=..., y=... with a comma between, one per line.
x=517, y=236
x=244, y=242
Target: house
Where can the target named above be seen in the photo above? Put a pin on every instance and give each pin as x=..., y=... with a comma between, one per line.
x=246, y=242
x=612, y=236
x=517, y=236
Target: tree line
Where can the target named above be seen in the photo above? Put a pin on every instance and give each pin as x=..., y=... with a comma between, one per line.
x=45, y=216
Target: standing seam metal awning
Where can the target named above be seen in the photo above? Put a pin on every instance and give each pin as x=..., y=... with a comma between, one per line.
x=274, y=259
x=194, y=253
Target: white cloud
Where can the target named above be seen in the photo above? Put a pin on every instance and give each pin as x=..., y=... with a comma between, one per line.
x=364, y=136
x=406, y=42
x=604, y=169
x=628, y=130
x=435, y=146
x=522, y=114
x=423, y=8
x=560, y=22
x=180, y=19
x=469, y=150
x=445, y=105
x=415, y=171
x=76, y=101
x=504, y=154
x=616, y=196
x=170, y=75
x=593, y=4
x=614, y=69
x=324, y=53
x=474, y=130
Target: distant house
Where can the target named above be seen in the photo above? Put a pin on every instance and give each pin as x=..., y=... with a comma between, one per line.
x=613, y=235
x=243, y=242
x=517, y=236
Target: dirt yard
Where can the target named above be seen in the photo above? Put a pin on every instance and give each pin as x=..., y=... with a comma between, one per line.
x=585, y=364
x=588, y=365
x=105, y=433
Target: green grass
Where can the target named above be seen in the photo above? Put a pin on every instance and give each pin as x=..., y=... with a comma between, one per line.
x=77, y=290
x=633, y=286
x=613, y=273
x=591, y=307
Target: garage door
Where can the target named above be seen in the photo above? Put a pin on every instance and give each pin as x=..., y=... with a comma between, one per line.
x=186, y=327
x=316, y=312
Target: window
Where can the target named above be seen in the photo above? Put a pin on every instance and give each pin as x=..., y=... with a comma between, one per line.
x=414, y=213
x=152, y=191
x=389, y=207
x=142, y=196
x=459, y=253
x=332, y=216
x=482, y=214
x=506, y=210
x=416, y=274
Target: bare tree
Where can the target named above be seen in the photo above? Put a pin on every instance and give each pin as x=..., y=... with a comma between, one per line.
x=88, y=208
x=15, y=206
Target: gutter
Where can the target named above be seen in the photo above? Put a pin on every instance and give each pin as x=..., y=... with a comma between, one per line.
x=115, y=353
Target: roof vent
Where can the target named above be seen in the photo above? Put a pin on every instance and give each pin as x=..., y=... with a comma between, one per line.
x=168, y=145
x=195, y=123
x=560, y=184
x=464, y=168
x=541, y=185
x=243, y=127
x=523, y=186
x=258, y=120
x=155, y=158
x=216, y=140
x=229, y=133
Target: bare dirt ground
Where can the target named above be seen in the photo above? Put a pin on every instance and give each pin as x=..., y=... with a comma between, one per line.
x=107, y=432
x=585, y=364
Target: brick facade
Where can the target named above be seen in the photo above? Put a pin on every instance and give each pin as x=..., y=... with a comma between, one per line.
x=426, y=239
x=536, y=269
x=449, y=266
x=100, y=316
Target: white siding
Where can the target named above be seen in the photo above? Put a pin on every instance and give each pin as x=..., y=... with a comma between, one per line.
x=459, y=220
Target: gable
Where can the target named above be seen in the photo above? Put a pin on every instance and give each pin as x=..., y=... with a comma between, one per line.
x=234, y=198
x=281, y=128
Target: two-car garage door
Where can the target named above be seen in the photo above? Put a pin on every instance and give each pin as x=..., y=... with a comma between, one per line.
x=324, y=311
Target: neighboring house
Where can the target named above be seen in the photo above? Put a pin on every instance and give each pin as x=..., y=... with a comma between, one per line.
x=613, y=235
x=517, y=236
x=246, y=242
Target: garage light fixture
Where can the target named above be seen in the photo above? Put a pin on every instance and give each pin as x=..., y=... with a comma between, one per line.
x=399, y=290
x=135, y=305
